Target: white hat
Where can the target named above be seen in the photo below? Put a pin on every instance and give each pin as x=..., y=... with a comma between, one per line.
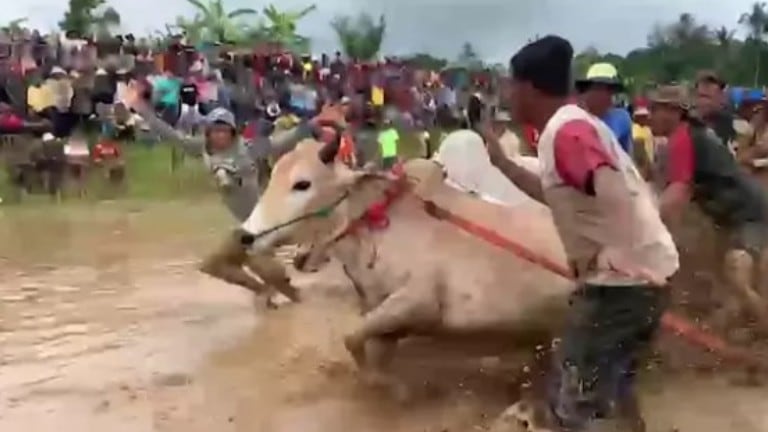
x=502, y=116
x=58, y=70
x=48, y=137
x=101, y=72
x=641, y=111
x=122, y=71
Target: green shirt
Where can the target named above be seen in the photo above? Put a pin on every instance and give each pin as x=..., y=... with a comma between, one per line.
x=388, y=140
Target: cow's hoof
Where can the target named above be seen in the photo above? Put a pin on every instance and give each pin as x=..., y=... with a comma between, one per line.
x=356, y=347
x=397, y=390
x=273, y=301
x=520, y=417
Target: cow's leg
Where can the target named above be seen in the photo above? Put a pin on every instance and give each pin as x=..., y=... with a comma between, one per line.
x=272, y=272
x=372, y=345
x=226, y=263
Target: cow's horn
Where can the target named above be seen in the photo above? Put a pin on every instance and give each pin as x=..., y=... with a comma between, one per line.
x=328, y=153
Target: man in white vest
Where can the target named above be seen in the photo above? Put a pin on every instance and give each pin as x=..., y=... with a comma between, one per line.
x=619, y=250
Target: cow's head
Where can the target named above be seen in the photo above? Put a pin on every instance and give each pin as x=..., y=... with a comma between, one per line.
x=305, y=190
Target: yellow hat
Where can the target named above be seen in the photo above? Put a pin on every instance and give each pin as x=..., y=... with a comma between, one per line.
x=601, y=73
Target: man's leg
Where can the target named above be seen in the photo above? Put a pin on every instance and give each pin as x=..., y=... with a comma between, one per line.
x=745, y=244
x=599, y=350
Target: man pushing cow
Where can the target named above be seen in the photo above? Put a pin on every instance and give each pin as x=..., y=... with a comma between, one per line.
x=620, y=251
x=235, y=168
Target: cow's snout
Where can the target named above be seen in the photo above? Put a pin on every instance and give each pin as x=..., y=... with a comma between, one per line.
x=245, y=238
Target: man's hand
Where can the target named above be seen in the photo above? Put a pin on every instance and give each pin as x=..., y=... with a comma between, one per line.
x=495, y=152
x=133, y=95
x=330, y=114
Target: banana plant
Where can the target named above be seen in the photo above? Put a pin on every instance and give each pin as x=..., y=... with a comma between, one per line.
x=281, y=27
x=360, y=37
x=215, y=24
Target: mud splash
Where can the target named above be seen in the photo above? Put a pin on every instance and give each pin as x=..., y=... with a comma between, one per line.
x=105, y=325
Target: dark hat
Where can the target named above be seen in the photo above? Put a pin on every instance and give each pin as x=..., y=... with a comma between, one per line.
x=546, y=64
x=601, y=73
x=710, y=76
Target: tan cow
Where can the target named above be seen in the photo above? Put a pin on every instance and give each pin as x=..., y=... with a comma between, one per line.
x=419, y=275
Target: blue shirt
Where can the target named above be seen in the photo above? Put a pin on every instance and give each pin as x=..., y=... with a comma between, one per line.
x=619, y=121
x=167, y=91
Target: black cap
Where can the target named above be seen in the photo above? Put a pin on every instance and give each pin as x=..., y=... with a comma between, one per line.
x=546, y=64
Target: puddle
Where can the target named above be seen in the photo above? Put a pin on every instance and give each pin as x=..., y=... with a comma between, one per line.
x=105, y=325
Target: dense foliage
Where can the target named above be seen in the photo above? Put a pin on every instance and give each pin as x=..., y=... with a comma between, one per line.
x=676, y=50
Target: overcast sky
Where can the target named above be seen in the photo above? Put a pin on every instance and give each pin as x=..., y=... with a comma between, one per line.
x=497, y=28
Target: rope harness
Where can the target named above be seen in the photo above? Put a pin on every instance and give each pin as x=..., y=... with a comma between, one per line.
x=376, y=218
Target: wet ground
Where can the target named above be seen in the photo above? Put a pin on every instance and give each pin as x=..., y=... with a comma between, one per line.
x=105, y=326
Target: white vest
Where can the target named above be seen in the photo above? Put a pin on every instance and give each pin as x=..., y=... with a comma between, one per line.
x=587, y=227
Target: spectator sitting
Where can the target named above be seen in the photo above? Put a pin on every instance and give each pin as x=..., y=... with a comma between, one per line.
x=108, y=156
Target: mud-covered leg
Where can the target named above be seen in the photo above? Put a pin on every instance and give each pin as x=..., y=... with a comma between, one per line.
x=226, y=263
x=372, y=345
x=739, y=267
x=272, y=272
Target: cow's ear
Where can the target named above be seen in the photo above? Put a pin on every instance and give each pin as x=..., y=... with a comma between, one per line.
x=346, y=177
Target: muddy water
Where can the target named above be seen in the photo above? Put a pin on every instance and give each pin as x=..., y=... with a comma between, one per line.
x=105, y=326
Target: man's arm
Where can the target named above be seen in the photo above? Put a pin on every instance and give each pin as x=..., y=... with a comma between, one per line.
x=264, y=146
x=191, y=145
x=527, y=181
x=579, y=156
x=675, y=197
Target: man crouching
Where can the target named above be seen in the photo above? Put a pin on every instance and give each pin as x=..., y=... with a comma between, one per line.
x=234, y=166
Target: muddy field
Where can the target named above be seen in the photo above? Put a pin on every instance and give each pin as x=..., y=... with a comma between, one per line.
x=105, y=326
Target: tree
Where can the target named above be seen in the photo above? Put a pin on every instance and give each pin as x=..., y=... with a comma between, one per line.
x=360, y=38
x=15, y=26
x=212, y=23
x=468, y=57
x=85, y=17
x=103, y=23
x=426, y=61
x=756, y=22
x=281, y=27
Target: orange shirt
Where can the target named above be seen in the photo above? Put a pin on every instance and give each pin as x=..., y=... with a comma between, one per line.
x=346, y=149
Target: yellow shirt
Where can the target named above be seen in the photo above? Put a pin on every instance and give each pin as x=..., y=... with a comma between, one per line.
x=645, y=136
x=377, y=96
x=39, y=98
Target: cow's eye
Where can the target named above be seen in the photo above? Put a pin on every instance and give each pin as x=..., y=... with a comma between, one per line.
x=302, y=185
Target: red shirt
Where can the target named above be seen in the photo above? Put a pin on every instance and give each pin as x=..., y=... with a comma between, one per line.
x=680, y=157
x=578, y=153
x=106, y=150
x=531, y=135
x=11, y=123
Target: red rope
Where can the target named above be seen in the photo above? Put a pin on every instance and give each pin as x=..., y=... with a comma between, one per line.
x=376, y=218
x=670, y=321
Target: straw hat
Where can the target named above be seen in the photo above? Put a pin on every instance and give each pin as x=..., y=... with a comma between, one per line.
x=672, y=95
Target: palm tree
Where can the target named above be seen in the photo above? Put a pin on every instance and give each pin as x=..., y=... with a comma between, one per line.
x=281, y=27
x=360, y=38
x=191, y=28
x=214, y=23
x=756, y=23
x=724, y=38
x=15, y=26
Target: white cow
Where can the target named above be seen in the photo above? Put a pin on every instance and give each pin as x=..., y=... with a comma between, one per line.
x=420, y=275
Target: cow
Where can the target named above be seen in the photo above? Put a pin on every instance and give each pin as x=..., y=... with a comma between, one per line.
x=415, y=274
